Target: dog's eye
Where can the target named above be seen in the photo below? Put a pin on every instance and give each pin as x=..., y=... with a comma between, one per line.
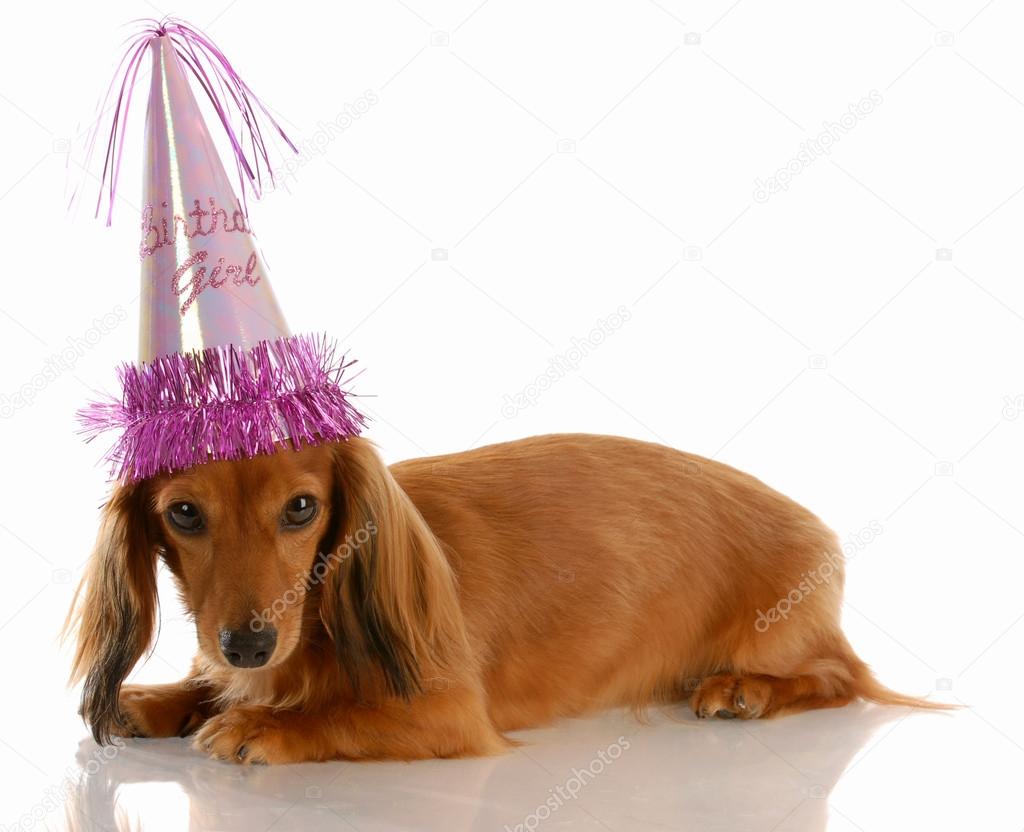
x=185, y=517
x=299, y=511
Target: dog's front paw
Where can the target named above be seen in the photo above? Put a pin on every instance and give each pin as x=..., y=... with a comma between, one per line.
x=250, y=734
x=159, y=711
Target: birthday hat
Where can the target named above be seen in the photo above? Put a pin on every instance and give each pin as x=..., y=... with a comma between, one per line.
x=219, y=374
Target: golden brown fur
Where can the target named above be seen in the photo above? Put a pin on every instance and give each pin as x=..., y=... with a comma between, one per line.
x=441, y=603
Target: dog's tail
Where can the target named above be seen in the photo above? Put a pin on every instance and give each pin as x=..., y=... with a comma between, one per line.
x=864, y=685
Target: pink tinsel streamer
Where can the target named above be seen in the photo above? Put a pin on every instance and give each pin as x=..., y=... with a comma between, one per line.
x=222, y=85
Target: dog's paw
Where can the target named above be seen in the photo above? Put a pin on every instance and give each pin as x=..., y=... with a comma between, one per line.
x=157, y=711
x=248, y=734
x=728, y=697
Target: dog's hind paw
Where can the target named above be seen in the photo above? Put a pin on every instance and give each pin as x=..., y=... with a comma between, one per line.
x=728, y=697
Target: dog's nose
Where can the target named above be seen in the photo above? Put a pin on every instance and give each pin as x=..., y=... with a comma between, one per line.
x=247, y=648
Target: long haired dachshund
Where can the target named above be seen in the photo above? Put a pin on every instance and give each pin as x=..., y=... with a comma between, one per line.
x=348, y=610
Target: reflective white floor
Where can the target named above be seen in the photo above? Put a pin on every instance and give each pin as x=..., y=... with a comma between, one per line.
x=858, y=768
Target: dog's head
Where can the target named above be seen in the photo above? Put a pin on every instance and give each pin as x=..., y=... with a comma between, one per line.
x=269, y=553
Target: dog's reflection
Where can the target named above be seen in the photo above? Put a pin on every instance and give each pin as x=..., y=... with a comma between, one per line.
x=672, y=773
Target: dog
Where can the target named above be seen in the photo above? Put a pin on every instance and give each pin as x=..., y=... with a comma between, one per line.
x=345, y=610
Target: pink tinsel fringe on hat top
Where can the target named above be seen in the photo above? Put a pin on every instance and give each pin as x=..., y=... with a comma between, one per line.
x=222, y=85
x=220, y=375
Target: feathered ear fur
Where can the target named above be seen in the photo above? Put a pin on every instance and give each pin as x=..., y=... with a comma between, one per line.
x=114, y=610
x=389, y=599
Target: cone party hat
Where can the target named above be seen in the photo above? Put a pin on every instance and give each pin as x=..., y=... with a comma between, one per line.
x=219, y=374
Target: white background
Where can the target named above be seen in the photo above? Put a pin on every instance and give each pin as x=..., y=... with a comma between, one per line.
x=525, y=170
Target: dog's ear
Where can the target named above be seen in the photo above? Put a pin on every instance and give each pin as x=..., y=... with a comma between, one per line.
x=114, y=610
x=389, y=600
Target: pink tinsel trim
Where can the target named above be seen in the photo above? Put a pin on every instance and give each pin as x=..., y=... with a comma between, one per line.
x=182, y=410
